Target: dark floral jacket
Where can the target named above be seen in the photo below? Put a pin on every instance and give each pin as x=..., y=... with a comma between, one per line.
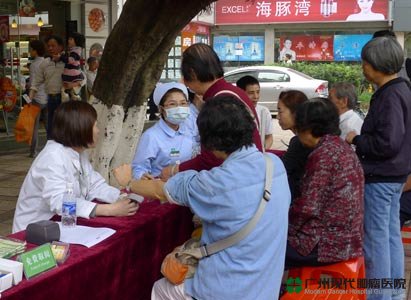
x=330, y=211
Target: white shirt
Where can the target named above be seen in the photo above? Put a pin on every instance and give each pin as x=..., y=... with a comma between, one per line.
x=49, y=74
x=43, y=188
x=41, y=96
x=265, y=120
x=350, y=121
x=91, y=76
x=160, y=146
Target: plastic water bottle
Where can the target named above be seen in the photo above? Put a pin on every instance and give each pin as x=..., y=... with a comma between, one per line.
x=69, y=209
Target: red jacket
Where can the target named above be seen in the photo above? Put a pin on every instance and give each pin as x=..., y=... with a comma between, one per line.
x=330, y=211
x=206, y=160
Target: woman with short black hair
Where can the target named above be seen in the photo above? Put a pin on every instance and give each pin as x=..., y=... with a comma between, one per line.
x=64, y=160
x=326, y=220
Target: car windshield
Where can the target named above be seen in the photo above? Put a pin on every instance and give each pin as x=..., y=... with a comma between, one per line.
x=301, y=74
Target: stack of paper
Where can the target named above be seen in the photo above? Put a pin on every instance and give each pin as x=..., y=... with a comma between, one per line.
x=10, y=247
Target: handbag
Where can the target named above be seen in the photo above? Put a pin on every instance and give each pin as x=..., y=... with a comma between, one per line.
x=182, y=262
x=23, y=131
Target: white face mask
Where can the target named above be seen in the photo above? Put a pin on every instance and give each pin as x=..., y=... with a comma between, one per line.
x=177, y=115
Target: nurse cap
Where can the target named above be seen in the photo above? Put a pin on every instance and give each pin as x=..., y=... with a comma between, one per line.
x=162, y=89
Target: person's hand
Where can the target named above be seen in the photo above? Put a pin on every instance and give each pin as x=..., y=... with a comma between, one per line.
x=123, y=207
x=350, y=136
x=147, y=176
x=70, y=85
x=123, y=174
x=169, y=171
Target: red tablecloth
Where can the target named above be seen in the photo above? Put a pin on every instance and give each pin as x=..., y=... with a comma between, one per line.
x=124, y=266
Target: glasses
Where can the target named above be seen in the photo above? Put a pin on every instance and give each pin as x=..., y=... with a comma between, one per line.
x=175, y=103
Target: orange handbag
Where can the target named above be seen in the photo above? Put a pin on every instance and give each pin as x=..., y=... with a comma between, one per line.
x=23, y=131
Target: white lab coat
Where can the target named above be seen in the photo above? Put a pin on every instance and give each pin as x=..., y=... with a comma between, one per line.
x=44, y=186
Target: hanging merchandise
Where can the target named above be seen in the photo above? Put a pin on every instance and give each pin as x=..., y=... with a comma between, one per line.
x=27, y=8
x=8, y=94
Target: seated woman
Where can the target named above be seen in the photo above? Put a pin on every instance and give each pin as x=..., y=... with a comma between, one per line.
x=169, y=141
x=226, y=198
x=63, y=160
x=326, y=221
x=295, y=157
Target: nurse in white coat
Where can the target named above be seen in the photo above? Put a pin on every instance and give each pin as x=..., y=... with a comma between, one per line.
x=64, y=160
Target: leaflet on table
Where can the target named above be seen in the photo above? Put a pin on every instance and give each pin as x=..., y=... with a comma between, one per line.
x=84, y=235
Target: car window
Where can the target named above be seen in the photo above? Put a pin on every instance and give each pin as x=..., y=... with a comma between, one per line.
x=273, y=76
x=301, y=74
x=232, y=78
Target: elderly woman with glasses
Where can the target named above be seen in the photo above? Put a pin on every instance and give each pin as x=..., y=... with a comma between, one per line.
x=64, y=160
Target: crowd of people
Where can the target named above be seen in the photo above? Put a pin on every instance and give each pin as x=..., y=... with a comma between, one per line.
x=335, y=193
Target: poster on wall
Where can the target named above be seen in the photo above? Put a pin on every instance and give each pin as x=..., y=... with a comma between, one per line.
x=239, y=48
x=348, y=47
x=224, y=46
x=96, y=20
x=280, y=11
x=306, y=48
x=27, y=8
x=4, y=29
x=252, y=48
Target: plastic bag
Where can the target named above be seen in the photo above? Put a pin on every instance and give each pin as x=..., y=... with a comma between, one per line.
x=23, y=131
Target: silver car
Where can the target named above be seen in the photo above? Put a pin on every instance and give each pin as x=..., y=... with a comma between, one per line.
x=274, y=80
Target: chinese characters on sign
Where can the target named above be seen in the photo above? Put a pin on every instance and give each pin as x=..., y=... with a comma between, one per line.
x=307, y=48
x=323, y=48
x=278, y=11
x=344, y=285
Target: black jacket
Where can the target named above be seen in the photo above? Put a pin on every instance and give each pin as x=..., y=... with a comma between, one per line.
x=384, y=146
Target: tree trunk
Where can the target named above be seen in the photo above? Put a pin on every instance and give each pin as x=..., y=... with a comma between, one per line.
x=132, y=62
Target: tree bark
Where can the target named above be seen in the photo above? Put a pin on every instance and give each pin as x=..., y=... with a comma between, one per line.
x=133, y=59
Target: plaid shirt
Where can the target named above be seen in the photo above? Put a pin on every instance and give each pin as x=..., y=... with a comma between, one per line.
x=329, y=213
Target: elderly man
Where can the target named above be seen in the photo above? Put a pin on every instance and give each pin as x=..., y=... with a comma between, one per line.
x=344, y=96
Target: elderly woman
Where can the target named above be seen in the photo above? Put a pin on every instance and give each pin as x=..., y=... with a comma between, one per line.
x=295, y=157
x=63, y=160
x=226, y=198
x=326, y=220
x=384, y=148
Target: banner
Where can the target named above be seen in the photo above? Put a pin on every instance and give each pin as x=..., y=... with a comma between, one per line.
x=195, y=33
x=307, y=48
x=239, y=48
x=348, y=47
x=27, y=8
x=286, y=11
x=4, y=29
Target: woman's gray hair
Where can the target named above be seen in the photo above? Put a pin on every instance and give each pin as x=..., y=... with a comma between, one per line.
x=384, y=54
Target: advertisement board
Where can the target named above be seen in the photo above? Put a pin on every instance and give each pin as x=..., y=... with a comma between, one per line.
x=239, y=48
x=285, y=11
x=307, y=47
x=348, y=47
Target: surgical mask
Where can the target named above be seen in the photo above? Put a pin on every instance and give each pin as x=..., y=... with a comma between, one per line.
x=177, y=115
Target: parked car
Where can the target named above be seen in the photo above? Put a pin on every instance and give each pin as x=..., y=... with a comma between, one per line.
x=273, y=80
